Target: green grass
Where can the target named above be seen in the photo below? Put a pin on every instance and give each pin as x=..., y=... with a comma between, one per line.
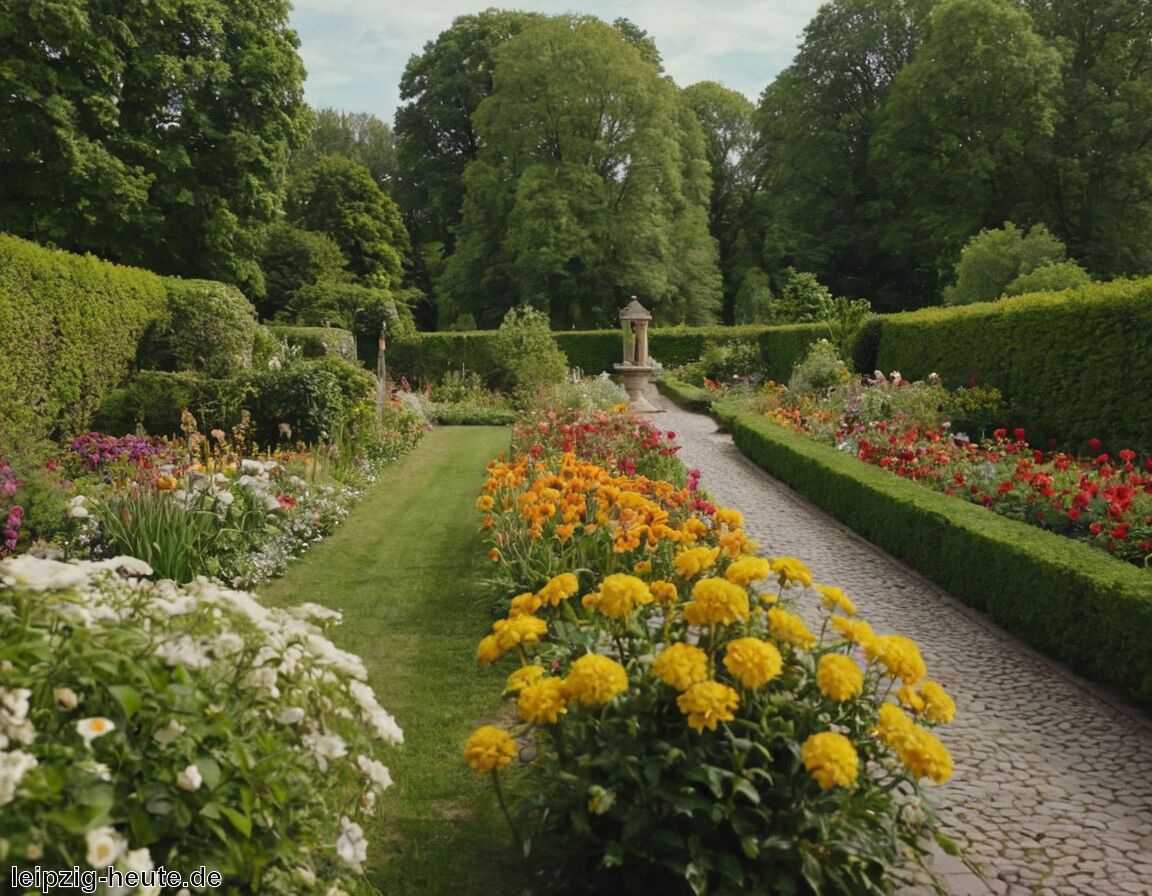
x=401, y=569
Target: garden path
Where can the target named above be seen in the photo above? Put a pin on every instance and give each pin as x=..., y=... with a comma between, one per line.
x=1052, y=788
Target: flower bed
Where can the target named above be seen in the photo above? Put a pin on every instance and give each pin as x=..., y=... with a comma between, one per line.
x=149, y=724
x=1102, y=499
x=678, y=719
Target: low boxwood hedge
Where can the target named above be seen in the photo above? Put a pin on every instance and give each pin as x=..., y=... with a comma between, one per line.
x=694, y=398
x=1067, y=600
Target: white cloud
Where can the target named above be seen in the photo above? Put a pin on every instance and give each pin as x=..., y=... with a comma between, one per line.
x=356, y=50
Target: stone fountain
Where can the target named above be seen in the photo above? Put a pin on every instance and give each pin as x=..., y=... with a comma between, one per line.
x=636, y=367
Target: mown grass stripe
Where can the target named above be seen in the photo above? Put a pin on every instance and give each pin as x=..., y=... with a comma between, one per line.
x=401, y=569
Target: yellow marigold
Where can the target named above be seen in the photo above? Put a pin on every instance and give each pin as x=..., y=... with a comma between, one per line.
x=924, y=755
x=791, y=571
x=166, y=483
x=753, y=661
x=488, y=651
x=485, y=503
x=620, y=594
x=833, y=599
x=664, y=592
x=693, y=529
x=542, y=701
x=788, y=628
x=519, y=630
x=595, y=679
x=708, y=702
x=839, y=677
x=899, y=655
x=681, y=665
x=910, y=697
x=730, y=517
x=524, y=605
x=489, y=748
x=855, y=630
x=831, y=759
x=938, y=706
x=892, y=723
x=559, y=588
x=523, y=677
x=693, y=561
x=642, y=566
x=747, y=569
x=716, y=601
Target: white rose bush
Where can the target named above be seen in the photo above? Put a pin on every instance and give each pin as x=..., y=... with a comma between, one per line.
x=147, y=724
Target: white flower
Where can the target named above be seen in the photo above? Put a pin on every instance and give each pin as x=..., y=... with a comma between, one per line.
x=133, y=566
x=166, y=735
x=96, y=769
x=325, y=747
x=78, y=511
x=183, y=651
x=264, y=679
x=104, y=846
x=385, y=727
x=315, y=611
x=34, y=852
x=307, y=875
x=189, y=779
x=350, y=844
x=138, y=860
x=65, y=698
x=95, y=727
x=228, y=644
x=225, y=498
x=377, y=772
x=37, y=574
x=291, y=715
x=13, y=767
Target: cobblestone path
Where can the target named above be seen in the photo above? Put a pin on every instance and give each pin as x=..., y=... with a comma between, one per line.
x=1052, y=789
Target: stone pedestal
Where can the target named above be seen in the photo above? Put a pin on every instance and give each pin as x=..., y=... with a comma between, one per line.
x=635, y=377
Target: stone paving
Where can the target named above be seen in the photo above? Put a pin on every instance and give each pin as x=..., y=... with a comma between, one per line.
x=1052, y=788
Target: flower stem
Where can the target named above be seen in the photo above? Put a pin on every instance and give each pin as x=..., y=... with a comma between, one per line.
x=504, y=808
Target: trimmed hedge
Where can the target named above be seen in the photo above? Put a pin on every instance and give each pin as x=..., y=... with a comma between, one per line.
x=318, y=342
x=70, y=325
x=1072, y=365
x=1064, y=598
x=694, y=398
x=430, y=355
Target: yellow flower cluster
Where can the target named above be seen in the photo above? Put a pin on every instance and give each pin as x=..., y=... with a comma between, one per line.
x=788, y=628
x=833, y=599
x=747, y=569
x=681, y=665
x=929, y=700
x=790, y=571
x=595, y=679
x=693, y=561
x=488, y=749
x=920, y=751
x=543, y=701
x=708, y=702
x=898, y=655
x=716, y=601
x=619, y=595
x=839, y=677
x=753, y=661
x=831, y=759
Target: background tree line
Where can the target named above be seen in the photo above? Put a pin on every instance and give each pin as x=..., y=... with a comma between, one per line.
x=551, y=161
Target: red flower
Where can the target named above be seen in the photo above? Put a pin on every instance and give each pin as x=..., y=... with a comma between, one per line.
x=1120, y=531
x=1000, y=434
x=1019, y=433
x=1096, y=528
x=1094, y=445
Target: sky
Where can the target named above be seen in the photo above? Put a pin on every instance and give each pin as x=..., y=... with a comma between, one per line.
x=356, y=50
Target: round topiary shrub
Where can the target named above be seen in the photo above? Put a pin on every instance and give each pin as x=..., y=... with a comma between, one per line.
x=210, y=327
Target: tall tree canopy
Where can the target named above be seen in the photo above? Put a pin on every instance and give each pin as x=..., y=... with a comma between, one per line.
x=357, y=136
x=962, y=130
x=154, y=134
x=590, y=184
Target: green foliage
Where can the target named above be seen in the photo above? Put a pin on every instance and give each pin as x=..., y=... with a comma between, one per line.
x=845, y=319
x=1054, y=277
x=590, y=185
x=820, y=370
x=317, y=400
x=339, y=198
x=152, y=401
x=315, y=342
x=210, y=327
x=723, y=363
x=527, y=356
x=803, y=299
x=1066, y=599
x=293, y=258
x=153, y=134
x=71, y=326
x=753, y=303
x=358, y=136
x=1063, y=361
x=993, y=259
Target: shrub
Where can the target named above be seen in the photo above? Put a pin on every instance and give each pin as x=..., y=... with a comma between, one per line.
x=300, y=401
x=315, y=342
x=149, y=724
x=821, y=369
x=527, y=356
x=153, y=401
x=993, y=259
x=210, y=328
x=1053, y=277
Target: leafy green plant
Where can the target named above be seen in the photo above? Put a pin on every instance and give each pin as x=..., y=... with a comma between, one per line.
x=820, y=370
x=527, y=356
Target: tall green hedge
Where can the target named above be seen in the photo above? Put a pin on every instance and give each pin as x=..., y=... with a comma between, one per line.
x=1072, y=365
x=1066, y=599
x=318, y=342
x=69, y=327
